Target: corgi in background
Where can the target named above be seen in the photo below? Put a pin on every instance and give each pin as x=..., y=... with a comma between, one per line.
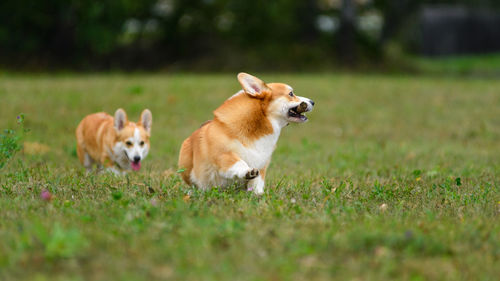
x=236, y=146
x=113, y=142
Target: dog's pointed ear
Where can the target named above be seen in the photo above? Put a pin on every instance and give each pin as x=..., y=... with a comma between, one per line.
x=146, y=120
x=251, y=84
x=120, y=119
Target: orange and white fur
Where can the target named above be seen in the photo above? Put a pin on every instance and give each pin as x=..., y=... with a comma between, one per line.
x=113, y=142
x=236, y=146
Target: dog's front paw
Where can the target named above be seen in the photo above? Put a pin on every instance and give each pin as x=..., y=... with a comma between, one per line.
x=252, y=174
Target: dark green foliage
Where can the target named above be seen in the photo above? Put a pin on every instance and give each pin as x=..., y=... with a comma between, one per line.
x=201, y=34
x=68, y=32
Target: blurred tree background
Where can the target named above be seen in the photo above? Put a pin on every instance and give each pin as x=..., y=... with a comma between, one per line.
x=214, y=35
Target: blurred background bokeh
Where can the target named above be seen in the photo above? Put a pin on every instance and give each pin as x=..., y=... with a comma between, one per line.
x=259, y=35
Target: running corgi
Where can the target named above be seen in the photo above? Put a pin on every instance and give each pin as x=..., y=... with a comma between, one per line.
x=115, y=143
x=236, y=146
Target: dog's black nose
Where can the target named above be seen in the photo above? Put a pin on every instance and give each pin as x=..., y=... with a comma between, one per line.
x=311, y=101
x=137, y=159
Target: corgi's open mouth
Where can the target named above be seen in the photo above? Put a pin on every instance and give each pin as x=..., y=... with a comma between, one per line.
x=295, y=114
x=136, y=166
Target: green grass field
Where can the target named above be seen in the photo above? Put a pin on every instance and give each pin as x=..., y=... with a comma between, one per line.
x=393, y=178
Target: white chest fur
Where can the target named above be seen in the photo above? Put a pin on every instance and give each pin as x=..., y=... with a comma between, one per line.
x=259, y=153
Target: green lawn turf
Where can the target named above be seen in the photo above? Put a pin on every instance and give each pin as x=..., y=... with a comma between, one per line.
x=392, y=178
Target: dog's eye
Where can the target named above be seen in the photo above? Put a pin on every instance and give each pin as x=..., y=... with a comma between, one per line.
x=291, y=94
x=141, y=143
x=128, y=143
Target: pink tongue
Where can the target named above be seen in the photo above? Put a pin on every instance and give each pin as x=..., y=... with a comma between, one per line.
x=136, y=166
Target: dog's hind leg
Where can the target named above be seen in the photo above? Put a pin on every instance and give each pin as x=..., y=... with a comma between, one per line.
x=87, y=161
x=84, y=157
x=186, y=160
x=82, y=154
